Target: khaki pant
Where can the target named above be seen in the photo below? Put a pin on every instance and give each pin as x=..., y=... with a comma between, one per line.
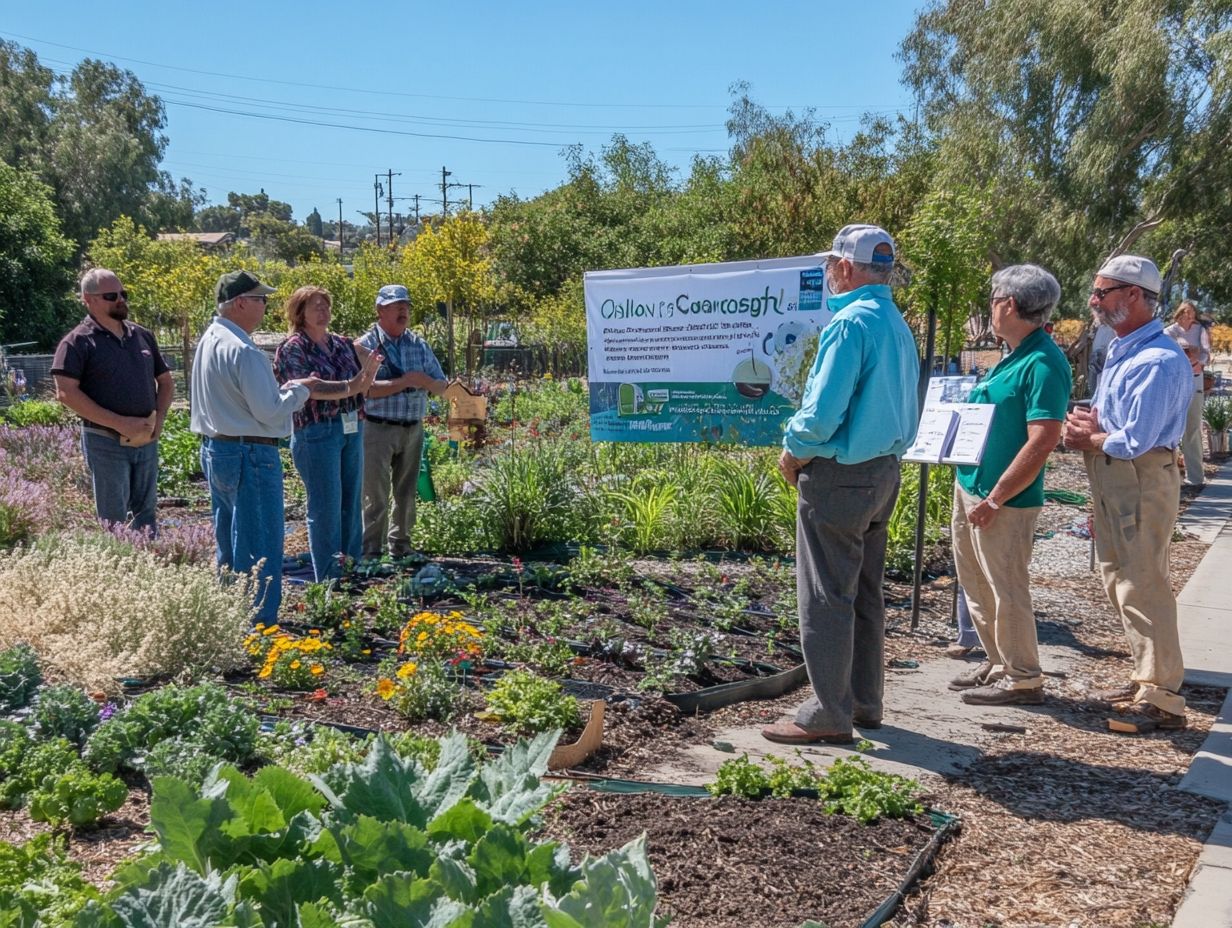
x=992, y=565
x=390, y=451
x=1135, y=505
x=1191, y=443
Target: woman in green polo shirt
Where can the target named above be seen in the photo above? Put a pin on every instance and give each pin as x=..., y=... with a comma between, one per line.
x=997, y=502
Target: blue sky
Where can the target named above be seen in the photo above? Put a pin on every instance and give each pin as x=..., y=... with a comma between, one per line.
x=491, y=91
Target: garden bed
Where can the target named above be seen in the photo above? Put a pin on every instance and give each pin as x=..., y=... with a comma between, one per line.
x=736, y=863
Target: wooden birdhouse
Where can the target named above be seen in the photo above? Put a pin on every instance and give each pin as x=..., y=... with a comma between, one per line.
x=468, y=411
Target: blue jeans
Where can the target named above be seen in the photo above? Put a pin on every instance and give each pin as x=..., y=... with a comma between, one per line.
x=332, y=467
x=246, y=498
x=125, y=480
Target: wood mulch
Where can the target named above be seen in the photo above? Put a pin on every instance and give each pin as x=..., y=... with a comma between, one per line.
x=737, y=863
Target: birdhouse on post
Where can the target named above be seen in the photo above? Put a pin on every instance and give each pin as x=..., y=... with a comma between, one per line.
x=468, y=412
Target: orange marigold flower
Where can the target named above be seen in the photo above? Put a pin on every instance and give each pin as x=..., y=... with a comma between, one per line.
x=386, y=687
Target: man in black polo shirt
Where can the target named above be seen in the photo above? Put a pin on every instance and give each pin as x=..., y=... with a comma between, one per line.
x=109, y=371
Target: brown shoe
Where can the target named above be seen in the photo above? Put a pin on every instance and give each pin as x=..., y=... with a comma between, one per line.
x=993, y=695
x=972, y=678
x=791, y=733
x=957, y=651
x=1141, y=717
x=1112, y=698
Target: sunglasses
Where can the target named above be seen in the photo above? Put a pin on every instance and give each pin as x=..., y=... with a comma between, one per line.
x=260, y=298
x=1100, y=292
x=113, y=296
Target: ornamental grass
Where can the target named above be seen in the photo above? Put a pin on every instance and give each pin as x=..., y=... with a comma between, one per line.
x=97, y=611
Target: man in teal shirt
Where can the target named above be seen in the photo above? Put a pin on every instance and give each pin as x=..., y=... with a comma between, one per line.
x=997, y=502
x=841, y=449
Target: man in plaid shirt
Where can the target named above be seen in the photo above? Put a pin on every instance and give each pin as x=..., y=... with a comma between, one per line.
x=393, y=429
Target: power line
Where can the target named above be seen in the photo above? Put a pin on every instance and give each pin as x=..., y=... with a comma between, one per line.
x=420, y=96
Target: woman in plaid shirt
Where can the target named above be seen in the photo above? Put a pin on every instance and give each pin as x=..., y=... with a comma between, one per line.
x=327, y=444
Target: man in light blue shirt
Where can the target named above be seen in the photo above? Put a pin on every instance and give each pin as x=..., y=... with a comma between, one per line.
x=858, y=415
x=393, y=426
x=1129, y=438
x=241, y=412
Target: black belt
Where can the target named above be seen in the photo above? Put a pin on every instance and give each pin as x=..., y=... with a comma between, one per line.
x=405, y=423
x=101, y=429
x=246, y=439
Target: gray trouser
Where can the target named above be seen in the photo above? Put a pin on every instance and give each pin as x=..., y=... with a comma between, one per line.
x=391, y=455
x=841, y=523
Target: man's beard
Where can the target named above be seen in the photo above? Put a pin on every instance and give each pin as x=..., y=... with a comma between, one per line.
x=118, y=311
x=1112, y=317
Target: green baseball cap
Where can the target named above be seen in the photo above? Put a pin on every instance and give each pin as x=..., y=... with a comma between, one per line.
x=238, y=283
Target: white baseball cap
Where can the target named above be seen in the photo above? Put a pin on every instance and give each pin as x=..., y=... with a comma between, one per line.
x=1133, y=269
x=858, y=242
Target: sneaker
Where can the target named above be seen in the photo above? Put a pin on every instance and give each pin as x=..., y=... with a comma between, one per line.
x=993, y=695
x=972, y=678
x=1141, y=717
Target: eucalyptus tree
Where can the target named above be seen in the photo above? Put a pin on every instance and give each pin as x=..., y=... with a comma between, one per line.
x=1090, y=123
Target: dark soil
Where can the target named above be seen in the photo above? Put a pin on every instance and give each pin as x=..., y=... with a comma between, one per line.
x=740, y=863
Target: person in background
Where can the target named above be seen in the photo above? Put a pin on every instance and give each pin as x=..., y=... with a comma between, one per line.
x=1101, y=338
x=997, y=502
x=859, y=413
x=327, y=444
x=110, y=372
x=968, y=640
x=1188, y=332
x=1128, y=438
x=393, y=430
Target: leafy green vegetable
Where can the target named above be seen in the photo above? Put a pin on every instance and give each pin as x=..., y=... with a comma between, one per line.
x=529, y=704
x=19, y=677
x=203, y=715
x=77, y=797
x=65, y=711
x=376, y=843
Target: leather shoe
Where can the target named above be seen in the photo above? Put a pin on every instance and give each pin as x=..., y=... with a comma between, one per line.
x=1111, y=697
x=1141, y=717
x=791, y=733
x=994, y=695
x=972, y=678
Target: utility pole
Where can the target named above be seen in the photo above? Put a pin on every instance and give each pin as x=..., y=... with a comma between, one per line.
x=389, y=201
x=341, y=241
x=445, y=191
x=416, y=199
x=470, y=195
x=376, y=211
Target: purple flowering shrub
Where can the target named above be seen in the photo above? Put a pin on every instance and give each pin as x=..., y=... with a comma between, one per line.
x=43, y=482
x=176, y=542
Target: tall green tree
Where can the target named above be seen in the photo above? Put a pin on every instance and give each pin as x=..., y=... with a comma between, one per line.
x=1090, y=122
x=36, y=263
x=94, y=137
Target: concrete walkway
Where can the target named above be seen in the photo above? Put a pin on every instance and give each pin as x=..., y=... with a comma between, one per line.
x=1205, y=612
x=927, y=729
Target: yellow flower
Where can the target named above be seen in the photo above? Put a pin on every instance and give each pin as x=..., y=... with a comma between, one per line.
x=295, y=664
x=259, y=626
x=314, y=632
x=317, y=670
x=407, y=669
x=386, y=688
x=366, y=651
x=270, y=631
x=265, y=672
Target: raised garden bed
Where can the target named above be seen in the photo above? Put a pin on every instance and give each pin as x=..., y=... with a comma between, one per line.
x=736, y=863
